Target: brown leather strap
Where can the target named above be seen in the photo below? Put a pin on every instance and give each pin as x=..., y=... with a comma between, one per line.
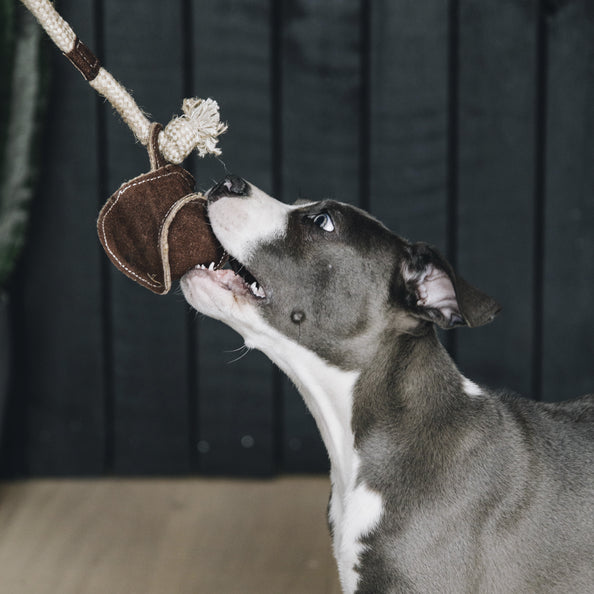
x=156, y=158
x=84, y=60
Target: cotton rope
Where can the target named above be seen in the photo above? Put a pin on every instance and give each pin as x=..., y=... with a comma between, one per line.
x=198, y=128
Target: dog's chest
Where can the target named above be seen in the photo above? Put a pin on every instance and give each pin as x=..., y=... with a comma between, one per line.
x=354, y=512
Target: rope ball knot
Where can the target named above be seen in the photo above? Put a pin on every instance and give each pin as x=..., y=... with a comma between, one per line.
x=198, y=128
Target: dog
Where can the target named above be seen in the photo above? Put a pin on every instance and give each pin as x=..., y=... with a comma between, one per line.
x=438, y=484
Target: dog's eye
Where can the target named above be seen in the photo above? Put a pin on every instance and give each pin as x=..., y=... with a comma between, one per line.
x=323, y=220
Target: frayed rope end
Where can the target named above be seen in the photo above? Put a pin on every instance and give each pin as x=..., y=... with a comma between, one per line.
x=199, y=128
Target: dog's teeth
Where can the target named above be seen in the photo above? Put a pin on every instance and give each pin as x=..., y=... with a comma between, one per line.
x=257, y=290
x=212, y=266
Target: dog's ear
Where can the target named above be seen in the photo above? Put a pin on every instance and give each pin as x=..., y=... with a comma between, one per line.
x=432, y=291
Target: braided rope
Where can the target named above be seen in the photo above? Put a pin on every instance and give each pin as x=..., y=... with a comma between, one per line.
x=105, y=84
x=199, y=127
x=55, y=26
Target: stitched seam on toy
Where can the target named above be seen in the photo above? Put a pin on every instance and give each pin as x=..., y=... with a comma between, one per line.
x=177, y=206
x=119, y=195
x=165, y=225
x=172, y=207
x=163, y=242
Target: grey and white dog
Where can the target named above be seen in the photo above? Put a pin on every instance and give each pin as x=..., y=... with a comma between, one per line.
x=438, y=485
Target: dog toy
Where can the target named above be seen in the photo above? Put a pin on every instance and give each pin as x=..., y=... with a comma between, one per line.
x=154, y=228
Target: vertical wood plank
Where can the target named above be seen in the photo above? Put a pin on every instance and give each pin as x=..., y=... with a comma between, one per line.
x=320, y=111
x=409, y=118
x=321, y=87
x=143, y=50
x=59, y=324
x=497, y=66
x=232, y=63
x=568, y=279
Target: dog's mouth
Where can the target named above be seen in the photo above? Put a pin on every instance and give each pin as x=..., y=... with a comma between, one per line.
x=249, y=280
x=232, y=275
x=229, y=273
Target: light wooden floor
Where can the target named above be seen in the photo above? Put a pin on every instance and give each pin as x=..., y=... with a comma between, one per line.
x=187, y=536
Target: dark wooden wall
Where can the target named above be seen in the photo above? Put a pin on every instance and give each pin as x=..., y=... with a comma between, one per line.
x=468, y=123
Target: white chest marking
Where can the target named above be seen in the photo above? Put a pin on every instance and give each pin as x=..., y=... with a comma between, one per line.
x=354, y=513
x=471, y=388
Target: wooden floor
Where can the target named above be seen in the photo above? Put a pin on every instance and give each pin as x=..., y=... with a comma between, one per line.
x=166, y=537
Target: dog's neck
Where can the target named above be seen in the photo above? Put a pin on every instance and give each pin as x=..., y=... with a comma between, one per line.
x=415, y=373
x=411, y=380
x=328, y=393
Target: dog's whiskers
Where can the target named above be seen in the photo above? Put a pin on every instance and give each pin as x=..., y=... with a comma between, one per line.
x=243, y=350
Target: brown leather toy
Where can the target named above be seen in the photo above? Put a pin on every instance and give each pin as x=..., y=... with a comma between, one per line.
x=154, y=228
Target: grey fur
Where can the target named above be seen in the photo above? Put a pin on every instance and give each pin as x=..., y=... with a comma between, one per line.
x=482, y=493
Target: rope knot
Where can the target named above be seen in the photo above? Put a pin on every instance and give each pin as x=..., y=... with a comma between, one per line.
x=199, y=128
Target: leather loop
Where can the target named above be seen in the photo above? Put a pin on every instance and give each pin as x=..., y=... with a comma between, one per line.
x=156, y=158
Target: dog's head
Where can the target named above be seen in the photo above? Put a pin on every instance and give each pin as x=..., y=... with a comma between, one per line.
x=325, y=275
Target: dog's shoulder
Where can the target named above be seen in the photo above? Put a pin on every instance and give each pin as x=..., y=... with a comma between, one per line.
x=559, y=435
x=578, y=410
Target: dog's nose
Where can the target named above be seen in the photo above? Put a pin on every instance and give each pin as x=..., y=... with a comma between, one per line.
x=231, y=185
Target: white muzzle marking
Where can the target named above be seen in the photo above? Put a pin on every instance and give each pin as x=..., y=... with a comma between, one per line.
x=243, y=223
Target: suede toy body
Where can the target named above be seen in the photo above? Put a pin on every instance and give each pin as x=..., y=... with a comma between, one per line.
x=154, y=228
